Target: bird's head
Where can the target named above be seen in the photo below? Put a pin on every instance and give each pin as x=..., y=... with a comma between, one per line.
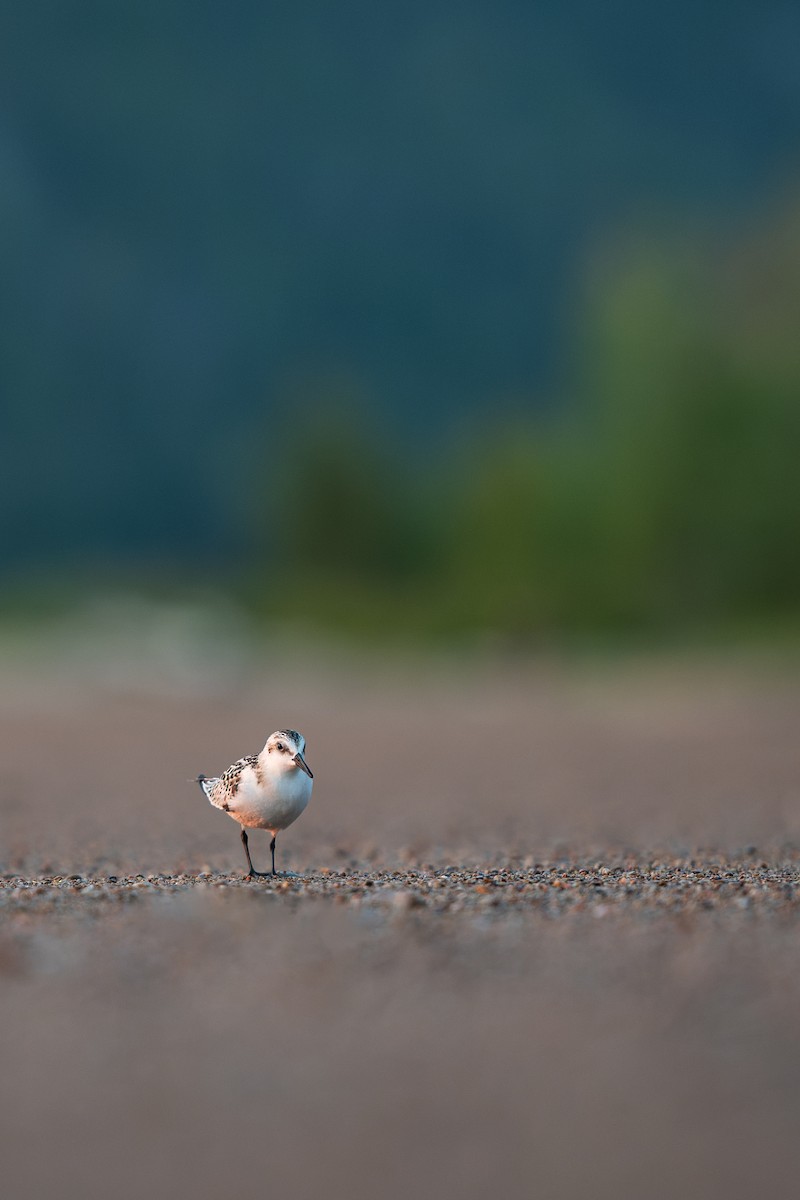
x=285, y=750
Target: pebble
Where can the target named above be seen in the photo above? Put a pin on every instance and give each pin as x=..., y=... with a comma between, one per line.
x=711, y=886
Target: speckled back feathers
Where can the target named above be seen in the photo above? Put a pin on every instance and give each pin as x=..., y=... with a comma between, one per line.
x=222, y=789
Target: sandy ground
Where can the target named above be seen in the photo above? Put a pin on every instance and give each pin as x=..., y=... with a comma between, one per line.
x=544, y=939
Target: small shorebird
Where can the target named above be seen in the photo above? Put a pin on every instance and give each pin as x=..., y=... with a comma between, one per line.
x=264, y=791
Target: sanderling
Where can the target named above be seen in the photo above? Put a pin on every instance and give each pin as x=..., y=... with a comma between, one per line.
x=264, y=791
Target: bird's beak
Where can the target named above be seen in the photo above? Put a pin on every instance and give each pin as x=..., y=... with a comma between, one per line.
x=300, y=762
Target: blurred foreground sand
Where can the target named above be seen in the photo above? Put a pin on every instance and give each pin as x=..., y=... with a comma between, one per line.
x=216, y=1038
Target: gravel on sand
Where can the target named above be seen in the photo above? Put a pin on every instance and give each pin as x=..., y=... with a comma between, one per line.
x=544, y=940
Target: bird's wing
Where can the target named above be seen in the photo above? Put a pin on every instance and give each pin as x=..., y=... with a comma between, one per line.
x=222, y=790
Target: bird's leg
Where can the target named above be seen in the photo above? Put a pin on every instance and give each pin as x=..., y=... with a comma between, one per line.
x=283, y=874
x=253, y=873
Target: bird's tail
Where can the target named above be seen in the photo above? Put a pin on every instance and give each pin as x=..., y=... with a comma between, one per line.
x=207, y=787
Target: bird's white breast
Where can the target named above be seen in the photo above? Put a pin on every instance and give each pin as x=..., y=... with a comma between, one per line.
x=274, y=803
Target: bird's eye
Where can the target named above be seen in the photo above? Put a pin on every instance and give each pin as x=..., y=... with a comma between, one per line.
x=280, y=746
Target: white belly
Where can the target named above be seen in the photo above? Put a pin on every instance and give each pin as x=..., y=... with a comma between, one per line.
x=274, y=805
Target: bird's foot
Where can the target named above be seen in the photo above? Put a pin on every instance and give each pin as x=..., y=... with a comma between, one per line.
x=270, y=875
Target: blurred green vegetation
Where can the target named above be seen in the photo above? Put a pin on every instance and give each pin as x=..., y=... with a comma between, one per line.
x=663, y=497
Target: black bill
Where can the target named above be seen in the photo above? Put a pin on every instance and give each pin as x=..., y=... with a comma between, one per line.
x=303, y=765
